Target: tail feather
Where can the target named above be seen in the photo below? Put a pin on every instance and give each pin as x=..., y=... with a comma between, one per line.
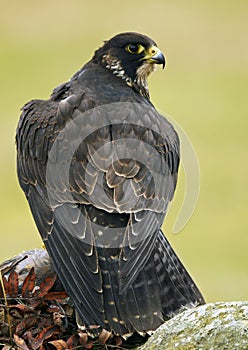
x=161, y=289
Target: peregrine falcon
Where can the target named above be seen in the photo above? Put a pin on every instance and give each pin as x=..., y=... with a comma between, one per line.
x=98, y=165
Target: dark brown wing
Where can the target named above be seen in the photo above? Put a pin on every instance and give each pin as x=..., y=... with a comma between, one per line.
x=76, y=264
x=115, y=164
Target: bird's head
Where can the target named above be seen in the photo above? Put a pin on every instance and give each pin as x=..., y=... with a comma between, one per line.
x=130, y=56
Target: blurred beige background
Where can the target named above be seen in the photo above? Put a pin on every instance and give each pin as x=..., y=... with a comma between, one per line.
x=204, y=88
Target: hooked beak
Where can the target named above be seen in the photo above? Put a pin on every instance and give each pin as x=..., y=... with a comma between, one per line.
x=154, y=55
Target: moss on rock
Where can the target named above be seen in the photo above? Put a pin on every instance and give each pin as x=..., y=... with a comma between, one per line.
x=215, y=326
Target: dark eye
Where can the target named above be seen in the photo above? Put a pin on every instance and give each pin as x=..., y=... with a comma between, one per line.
x=134, y=48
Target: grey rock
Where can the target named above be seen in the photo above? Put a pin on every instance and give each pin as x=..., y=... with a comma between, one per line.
x=215, y=326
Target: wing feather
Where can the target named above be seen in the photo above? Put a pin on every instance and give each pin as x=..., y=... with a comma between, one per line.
x=121, y=174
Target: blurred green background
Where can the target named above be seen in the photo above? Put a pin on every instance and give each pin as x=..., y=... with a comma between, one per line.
x=204, y=88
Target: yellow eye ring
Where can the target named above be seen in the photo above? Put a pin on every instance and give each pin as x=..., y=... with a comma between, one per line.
x=134, y=48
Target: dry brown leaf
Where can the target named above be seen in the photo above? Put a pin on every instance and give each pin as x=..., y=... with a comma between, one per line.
x=25, y=324
x=46, y=333
x=56, y=296
x=73, y=341
x=7, y=347
x=118, y=340
x=20, y=343
x=59, y=344
x=28, y=284
x=104, y=336
x=13, y=283
x=6, y=287
x=84, y=340
x=22, y=308
x=46, y=284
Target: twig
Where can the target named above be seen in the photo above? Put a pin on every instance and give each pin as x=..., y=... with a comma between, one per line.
x=6, y=306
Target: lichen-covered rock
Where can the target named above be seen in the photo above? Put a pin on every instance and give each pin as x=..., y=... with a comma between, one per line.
x=215, y=326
